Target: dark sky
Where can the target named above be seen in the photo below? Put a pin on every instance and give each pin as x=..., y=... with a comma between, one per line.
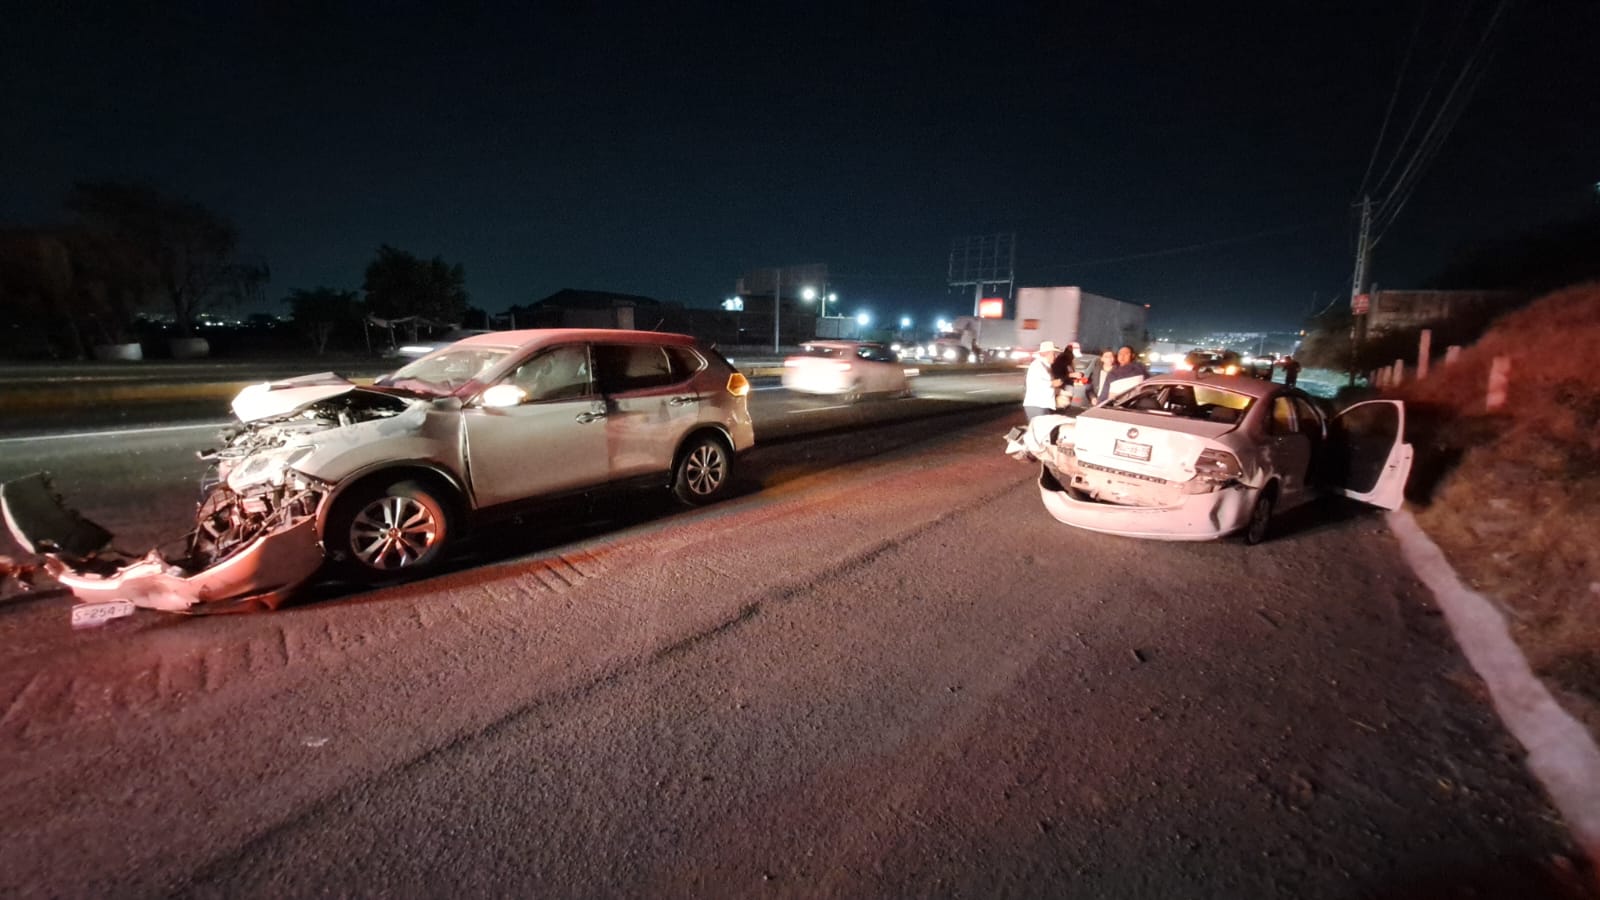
x=1198, y=157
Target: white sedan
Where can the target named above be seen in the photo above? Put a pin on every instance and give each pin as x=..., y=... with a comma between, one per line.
x=851, y=369
x=1194, y=458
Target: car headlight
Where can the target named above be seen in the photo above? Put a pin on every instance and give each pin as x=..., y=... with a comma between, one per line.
x=950, y=354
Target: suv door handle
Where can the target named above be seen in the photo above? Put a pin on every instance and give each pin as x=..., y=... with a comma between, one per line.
x=587, y=417
x=689, y=398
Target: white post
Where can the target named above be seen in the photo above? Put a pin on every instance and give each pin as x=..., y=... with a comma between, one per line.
x=1499, y=381
x=1424, y=346
x=1452, y=353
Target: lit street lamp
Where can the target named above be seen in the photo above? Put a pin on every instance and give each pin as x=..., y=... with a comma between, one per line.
x=809, y=294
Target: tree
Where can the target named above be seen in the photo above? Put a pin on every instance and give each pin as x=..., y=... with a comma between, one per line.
x=72, y=285
x=319, y=312
x=189, y=247
x=400, y=285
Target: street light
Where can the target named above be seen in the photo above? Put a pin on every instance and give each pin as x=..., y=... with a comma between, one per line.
x=905, y=323
x=863, y=318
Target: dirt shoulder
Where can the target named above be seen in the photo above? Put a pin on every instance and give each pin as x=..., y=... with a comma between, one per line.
x=1512, y=495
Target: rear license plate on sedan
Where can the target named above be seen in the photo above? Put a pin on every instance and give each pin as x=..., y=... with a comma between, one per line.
x=1132, y=451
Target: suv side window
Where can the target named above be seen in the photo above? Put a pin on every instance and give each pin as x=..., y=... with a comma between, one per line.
x=632, y=367
x=560, y=373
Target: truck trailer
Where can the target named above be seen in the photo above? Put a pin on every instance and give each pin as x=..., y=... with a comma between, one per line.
x=1065, y=315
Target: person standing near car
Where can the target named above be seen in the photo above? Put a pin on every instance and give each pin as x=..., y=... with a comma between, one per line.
x=1061, y=376
x=1128, y=365
x=1291, y=371
x=1038, y=394
x=1100, y=378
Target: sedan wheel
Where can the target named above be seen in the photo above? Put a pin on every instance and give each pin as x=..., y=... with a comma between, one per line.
x=1260, y=517
x=399, y=528
x=703, y=471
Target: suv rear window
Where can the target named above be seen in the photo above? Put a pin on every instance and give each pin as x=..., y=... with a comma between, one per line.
x=634, y=367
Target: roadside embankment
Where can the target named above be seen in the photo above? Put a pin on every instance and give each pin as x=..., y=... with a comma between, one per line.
x=1512, y=494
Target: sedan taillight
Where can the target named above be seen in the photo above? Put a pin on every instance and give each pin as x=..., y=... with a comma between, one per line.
x=1217, y=465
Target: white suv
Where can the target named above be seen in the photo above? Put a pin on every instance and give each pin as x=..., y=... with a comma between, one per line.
x=381, y=480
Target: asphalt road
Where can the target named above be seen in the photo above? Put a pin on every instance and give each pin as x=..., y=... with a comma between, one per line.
x=881, y=669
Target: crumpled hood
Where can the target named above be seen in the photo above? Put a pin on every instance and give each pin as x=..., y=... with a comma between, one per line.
x=271, y=399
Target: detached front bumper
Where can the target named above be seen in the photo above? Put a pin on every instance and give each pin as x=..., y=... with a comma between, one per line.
x=260, y=574
x=1194, y=517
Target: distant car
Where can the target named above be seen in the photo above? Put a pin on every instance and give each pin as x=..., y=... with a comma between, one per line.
x=382, y=481
x=1211, y=362
x=1186, y=458
x=849, y=369
x=419, y=349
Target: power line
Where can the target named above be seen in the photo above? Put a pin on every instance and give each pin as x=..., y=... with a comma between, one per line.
x=1394, y=95
x=1187, y=248
x=1427, y=95
x=1439, y=130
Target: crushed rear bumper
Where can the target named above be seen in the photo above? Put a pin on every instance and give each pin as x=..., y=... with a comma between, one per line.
x=1194, y=517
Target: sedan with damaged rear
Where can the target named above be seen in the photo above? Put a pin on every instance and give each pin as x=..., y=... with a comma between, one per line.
x=1193, y=458
x=379, y=481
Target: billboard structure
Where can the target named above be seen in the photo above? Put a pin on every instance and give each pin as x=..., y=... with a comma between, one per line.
x=983, y=261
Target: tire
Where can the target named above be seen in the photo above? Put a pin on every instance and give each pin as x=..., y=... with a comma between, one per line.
x=703, y=470
x=1261, y=515
x=390, y=529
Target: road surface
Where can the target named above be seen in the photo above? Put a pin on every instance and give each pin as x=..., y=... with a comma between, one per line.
x=879, y=670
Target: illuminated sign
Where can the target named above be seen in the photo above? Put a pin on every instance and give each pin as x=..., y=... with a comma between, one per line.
x=991, y=308
x=1359, y=304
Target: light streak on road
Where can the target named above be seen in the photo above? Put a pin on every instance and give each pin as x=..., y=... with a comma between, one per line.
x=115, y=432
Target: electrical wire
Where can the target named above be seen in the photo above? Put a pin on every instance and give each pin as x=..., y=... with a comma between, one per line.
x=1388, y=112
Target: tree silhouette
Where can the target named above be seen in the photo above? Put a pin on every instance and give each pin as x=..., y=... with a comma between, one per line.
x=400, y=284
x=318, y=312
x=188, y=247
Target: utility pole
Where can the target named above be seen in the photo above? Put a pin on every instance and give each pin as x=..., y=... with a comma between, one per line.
x=777, y=313
x=1358, y=284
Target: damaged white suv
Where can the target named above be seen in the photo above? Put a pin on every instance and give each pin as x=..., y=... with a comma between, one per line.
x=381, y=480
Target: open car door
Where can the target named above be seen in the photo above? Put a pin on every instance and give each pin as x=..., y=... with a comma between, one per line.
x=1371, y=458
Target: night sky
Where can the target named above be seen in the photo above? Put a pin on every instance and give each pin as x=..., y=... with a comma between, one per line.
x=1198, y=157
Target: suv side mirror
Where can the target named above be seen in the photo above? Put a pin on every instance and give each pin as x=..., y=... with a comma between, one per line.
x=501, y=396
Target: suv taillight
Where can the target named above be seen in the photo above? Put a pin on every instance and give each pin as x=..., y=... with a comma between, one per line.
x=738, y=385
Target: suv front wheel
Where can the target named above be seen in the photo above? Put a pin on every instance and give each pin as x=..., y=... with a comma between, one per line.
x=704, y=468
x=394, y=528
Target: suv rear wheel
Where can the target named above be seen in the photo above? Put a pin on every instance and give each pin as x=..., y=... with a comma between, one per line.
x=704, y=468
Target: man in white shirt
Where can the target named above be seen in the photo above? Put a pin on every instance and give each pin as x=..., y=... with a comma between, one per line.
x=1039, y=395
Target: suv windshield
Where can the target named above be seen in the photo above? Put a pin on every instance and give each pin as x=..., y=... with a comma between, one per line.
x=442, y=372
x=1186, y=401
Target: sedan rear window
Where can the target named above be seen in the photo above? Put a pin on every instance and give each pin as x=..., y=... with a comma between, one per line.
x=1186, y=401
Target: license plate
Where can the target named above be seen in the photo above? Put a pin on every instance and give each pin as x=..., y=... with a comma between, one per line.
x=88, y=615
x=1132, y=451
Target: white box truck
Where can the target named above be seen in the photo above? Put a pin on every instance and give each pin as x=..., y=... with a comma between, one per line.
x=1071, y=315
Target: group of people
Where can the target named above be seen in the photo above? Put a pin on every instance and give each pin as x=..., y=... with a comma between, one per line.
x=1053, y=382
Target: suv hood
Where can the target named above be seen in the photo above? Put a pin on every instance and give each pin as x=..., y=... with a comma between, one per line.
x=272, y=399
